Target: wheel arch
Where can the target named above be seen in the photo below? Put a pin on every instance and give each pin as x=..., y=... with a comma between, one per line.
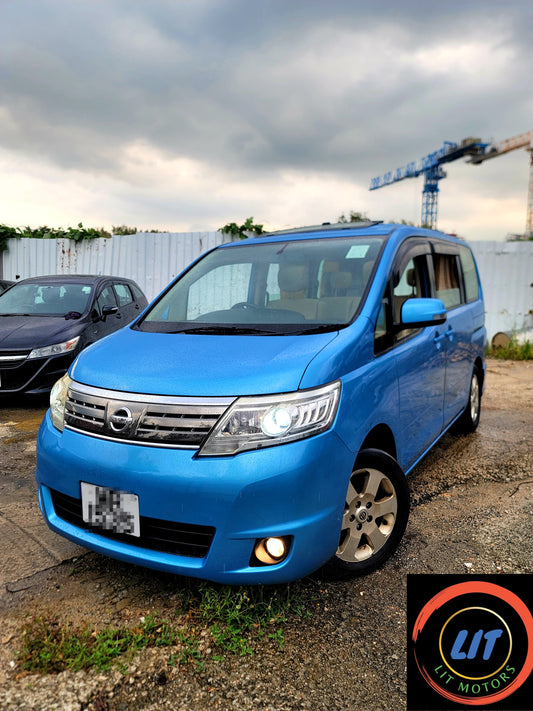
x=479, y=365
x=381, y=437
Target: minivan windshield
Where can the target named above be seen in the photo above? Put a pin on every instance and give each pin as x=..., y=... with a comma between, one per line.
x=267, y=288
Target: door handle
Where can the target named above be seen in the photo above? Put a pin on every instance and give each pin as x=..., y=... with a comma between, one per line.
x=450, y=334
x=438, y=338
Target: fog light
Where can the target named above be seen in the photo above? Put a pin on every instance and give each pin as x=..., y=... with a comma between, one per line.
x=275, y=547
x=270, y=551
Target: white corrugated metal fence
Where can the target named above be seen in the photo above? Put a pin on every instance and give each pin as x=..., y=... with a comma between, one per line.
x=506, y=270
x=154, y=259
x=150, y=259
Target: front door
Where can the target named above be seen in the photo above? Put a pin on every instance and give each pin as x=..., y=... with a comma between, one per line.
x=418, y=356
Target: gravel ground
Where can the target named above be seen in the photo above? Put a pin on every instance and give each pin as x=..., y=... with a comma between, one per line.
x=472, y=504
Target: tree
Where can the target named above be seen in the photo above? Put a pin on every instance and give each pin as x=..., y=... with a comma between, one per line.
x=353, y=217
x=242, y=231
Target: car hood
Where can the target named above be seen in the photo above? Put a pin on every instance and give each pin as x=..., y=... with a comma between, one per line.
x=27, y=332
x=198, y=365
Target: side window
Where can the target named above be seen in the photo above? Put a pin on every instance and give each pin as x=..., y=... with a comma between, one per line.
x=137, y=294
x=469, y=274
x=106, y=298
x=410, y=282
x=123, y=293
x=447, y=282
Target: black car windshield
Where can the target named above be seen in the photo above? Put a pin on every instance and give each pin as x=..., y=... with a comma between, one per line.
x=266, y=288
x=45, y=299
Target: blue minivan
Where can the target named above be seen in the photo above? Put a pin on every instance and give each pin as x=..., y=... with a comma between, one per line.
x=257, y=420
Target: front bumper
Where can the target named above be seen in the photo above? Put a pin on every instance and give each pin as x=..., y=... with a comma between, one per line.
x=297, y=490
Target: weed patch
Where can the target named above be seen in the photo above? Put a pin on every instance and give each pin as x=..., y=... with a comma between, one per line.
x=230, y=619
x=47, y=647
x=512, y=351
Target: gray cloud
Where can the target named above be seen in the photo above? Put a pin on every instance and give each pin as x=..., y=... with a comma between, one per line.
x=255, y=88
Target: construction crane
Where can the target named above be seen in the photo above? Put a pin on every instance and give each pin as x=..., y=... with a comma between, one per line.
x=493, y=150
x=430, y=167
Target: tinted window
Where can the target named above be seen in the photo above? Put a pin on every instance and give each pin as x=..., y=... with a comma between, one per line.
x=447, y=282
x=123, y=294
x=469, y=274
x=137, y=293
x=106, y=298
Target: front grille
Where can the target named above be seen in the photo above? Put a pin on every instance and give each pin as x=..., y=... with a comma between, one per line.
x=16, y=376
x=146, y=419
x=31, y=375
x=12, y=359
x=157, y=535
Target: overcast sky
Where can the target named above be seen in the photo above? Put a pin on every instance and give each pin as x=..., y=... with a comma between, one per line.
x=187, y=114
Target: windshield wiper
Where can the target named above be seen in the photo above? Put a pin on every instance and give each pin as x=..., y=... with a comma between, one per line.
x=227, y=330
x=324, y=328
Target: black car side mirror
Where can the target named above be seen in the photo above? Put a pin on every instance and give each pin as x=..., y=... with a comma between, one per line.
x=108, y=311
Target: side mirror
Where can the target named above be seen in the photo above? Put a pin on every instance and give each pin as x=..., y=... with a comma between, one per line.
x=108, y=311
x=417, y=313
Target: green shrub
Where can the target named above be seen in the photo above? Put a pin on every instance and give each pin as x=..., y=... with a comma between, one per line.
x=514, y=350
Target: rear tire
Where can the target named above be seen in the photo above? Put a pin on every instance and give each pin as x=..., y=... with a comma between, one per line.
x=375, y=515
x=469, y=420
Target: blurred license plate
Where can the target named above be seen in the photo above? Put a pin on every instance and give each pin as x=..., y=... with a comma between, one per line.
x=109, y=509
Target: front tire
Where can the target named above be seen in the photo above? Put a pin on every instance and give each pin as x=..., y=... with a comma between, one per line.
x=376, y=511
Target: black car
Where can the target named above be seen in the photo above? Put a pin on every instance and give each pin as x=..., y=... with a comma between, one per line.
x=46, y=321
x=4, y=284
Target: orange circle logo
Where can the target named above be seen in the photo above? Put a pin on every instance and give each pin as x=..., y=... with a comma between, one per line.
x=472, y=643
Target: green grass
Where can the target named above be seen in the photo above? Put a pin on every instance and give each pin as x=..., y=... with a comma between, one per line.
x=512, y=351
x=234, y=618
x=48, y=647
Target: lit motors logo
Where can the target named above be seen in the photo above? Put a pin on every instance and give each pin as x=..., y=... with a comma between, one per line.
x=470, y=642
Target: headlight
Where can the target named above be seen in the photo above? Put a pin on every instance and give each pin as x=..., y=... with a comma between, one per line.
x=56, y=349
x=58, y=398
x=257, y=422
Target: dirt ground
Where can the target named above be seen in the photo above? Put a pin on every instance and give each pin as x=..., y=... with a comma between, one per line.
x=472, y=510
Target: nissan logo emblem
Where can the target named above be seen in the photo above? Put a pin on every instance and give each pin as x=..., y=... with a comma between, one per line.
x=120, y=420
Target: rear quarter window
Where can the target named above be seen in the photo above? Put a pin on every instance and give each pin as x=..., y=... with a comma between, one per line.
x=469, y=274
